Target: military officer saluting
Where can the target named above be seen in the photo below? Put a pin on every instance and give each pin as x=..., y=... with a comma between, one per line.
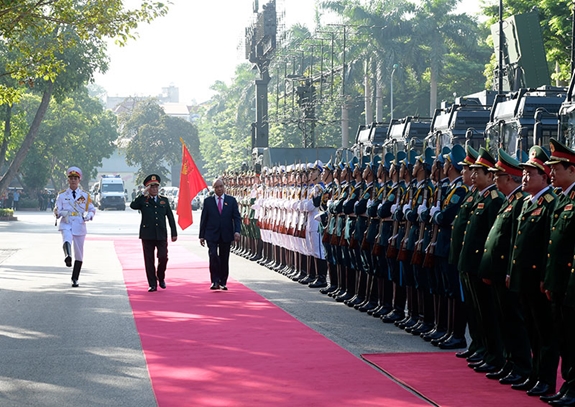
x=153, y=231
x=74, y=208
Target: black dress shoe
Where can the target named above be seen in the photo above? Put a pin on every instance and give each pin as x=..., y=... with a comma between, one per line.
x=223, y=287
x=392, y=317
x=408, y=327
x=407, y=324
x=464, y=354
x=423, y=328
x=68, y=261
x=435, y=334
x=366, y=306
x=445, y=338
x=476, y=357
x=152, y=289
x=526, y=385
x=541, y=389
x=552, y=397
x=563, y=401
x=162, y=284
x=486, y=368
x=512, y=378
x=500, y=374
x=75, y=283
x=327, y=290
x=214, y=286
x=378, y=313
x=475, y=364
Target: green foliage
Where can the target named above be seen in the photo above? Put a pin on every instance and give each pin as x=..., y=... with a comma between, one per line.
x=6, y=213
x=225, y=125
x=35, y=33
x=77, y=131
x=152, y=139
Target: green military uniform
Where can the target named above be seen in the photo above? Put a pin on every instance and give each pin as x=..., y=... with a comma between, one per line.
x=494, y=266
x=483, y=213
x=528, y=264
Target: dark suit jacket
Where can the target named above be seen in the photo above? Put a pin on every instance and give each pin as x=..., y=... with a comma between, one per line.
x=215, y=226
x=154, y=214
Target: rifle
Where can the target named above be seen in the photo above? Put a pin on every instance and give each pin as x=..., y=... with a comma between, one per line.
x=402, y=256
x=429, y=259
x=391, y=248
x=364, y=243
x=417, y=257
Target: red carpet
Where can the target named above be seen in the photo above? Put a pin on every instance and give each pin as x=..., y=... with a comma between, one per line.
x=448, y=382
x=235, y=348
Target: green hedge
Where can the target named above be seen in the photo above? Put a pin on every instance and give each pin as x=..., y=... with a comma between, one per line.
x=5, y=212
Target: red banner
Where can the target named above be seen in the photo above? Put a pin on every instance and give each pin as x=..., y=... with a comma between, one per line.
x=191, y=182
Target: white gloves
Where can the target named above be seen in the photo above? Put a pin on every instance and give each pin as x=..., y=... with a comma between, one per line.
x=422, y=208
x=63, y=214
x=434, y=210
x=406, y=207
x=393, y=208
x=88, y=216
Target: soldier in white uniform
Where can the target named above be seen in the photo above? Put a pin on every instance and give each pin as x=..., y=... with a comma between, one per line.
x=74, y=208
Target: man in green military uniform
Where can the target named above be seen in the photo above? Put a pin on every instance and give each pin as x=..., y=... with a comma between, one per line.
x=153, y=231
x=494, y=267
x=528, y=264
x=484, y=211
x=560, y=261
x=476, y=349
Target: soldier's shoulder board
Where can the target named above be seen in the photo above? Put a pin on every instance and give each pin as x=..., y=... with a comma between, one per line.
x=62, y=191
x=494, y=194
x=549, y=198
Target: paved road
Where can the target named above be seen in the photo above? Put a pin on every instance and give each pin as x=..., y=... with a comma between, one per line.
x=79, y=347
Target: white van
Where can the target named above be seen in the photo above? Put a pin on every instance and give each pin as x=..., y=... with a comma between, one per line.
x=109, y=193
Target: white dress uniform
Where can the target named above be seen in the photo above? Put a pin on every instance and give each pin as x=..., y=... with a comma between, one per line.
x=73, y=225
x=74, y=208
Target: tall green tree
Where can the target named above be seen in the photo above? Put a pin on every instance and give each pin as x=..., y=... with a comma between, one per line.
x=151, y=139
x=54, y=47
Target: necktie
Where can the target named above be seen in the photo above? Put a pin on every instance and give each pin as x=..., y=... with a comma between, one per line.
x=74, y=194
x=220, y=204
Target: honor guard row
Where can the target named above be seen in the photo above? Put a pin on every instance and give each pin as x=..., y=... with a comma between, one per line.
x=437, y=243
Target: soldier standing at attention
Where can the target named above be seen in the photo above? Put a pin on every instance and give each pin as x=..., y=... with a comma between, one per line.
x=560, y=262
x=483, y=214
x=153, y=231
x=452, y=327
x=527, y=273
x=494, y=267
x=74, y=208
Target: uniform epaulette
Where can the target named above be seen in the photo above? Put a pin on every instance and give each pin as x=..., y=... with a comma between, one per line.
x=549, y=198
x=458, y=184
x=518, y=194
x=62, y=191
x=494, y=194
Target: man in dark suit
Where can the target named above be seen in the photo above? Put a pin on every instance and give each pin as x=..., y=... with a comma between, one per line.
x=219, y=226
x=153, y=231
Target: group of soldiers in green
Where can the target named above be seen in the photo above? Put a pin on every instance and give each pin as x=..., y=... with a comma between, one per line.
x=435, y=243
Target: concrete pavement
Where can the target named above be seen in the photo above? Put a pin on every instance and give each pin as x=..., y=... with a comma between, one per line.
x=79, y=347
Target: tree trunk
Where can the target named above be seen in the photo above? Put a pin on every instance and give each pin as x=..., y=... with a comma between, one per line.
x=28, y=140
x=7, y=132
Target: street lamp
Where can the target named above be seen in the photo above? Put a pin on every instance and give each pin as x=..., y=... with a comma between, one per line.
x=395, y=66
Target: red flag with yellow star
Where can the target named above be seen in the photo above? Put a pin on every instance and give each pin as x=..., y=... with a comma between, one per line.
x=191, y=183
